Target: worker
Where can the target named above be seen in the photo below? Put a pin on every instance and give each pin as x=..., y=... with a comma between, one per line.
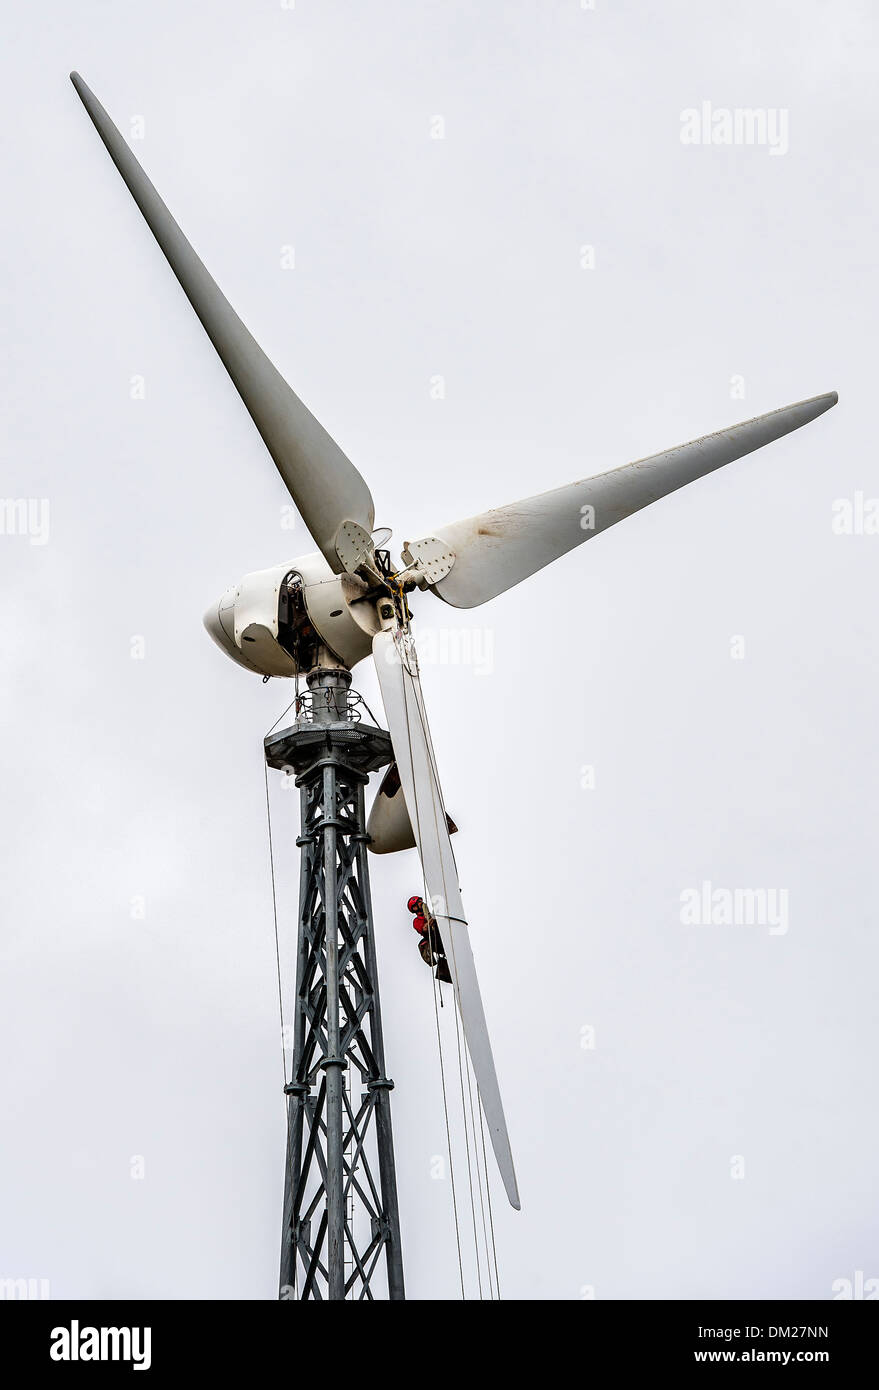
x=430, y=946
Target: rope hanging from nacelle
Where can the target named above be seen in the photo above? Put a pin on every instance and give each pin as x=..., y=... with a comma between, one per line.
x=275, y=918
x=474, y=1160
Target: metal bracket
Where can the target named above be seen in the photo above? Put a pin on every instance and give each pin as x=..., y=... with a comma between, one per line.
x=355, y=548
x=429, y=560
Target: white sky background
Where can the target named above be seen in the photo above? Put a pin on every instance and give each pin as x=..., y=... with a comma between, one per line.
x=459, y=257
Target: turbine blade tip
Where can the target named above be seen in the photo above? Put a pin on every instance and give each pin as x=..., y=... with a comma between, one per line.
x=826, y=401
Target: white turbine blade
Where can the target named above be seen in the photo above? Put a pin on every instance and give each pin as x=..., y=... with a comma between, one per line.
x=500, y=548
x=413, y=750
x=324, y=484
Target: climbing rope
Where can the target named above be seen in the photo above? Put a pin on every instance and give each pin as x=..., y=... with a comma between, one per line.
x=467, y=1149
x=497, y=1282
x=479, y=1171
x=436, y=795
x=275, y=916
x=435, y=987
x=409, y=660
x=439, y=1048
x=294, y=701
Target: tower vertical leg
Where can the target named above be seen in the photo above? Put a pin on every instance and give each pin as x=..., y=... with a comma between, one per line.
x=380, y=1086
x=340, y=1194
x=331, y=1062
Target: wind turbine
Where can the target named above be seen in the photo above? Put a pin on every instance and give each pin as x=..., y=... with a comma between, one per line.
x=319, y=616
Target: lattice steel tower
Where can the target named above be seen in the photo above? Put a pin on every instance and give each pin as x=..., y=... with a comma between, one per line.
x=340, y=1190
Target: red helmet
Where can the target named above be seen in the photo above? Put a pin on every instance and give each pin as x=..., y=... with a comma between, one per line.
x=414, y=904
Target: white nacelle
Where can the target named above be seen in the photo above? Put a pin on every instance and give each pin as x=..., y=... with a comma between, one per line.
x=247, y=622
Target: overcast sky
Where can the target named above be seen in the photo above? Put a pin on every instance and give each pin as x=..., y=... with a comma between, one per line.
x=691, y=1107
